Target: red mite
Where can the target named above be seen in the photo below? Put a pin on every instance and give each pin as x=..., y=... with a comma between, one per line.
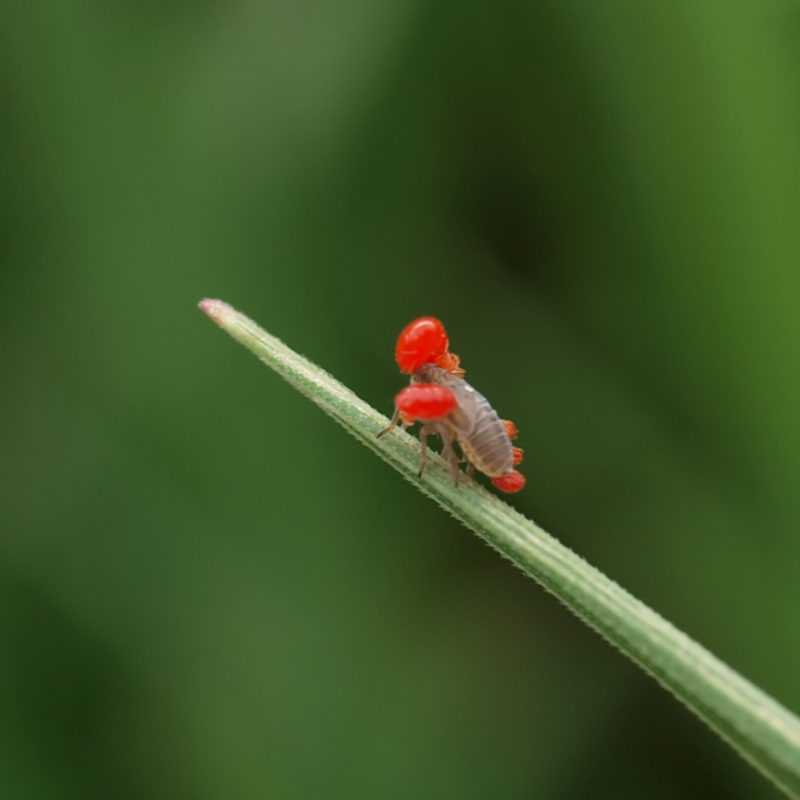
x=447, y=405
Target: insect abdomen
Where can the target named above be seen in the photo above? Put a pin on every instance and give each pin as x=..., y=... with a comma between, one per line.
x=488, y=446
x=479, y=430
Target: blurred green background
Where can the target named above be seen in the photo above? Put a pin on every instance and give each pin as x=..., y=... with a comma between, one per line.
x=207, y=589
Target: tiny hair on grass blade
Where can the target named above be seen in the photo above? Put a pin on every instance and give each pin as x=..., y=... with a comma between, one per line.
x=763, y=731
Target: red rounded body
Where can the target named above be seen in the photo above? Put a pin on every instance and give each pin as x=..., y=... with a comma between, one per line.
x=510, y=483
x=421, y=342
x=425, y=401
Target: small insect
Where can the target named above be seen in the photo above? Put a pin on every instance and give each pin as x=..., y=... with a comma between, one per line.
x=447, y=405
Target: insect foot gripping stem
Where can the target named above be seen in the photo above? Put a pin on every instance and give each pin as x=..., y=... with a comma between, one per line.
x=425, y=401
x=510, y=483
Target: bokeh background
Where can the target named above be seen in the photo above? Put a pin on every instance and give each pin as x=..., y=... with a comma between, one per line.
x=207, y=589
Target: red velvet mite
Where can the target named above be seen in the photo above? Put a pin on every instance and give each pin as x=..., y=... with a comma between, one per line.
x=421, y=342
x=447, y=405
x=426, y=401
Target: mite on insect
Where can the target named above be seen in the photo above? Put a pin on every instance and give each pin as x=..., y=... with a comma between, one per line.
x=447, y=405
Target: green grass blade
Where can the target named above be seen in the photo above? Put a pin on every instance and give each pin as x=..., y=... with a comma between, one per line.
x=762, y=730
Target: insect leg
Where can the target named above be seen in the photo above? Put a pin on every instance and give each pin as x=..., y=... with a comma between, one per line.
x=394, y=421
x=448, y=453
x=424, y=432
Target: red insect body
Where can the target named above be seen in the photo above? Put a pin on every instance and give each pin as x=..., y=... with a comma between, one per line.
x=511, y=429
x=421, y=342
x=450, y=362
x=425, y=401
x=446, y=404
x=510, y=483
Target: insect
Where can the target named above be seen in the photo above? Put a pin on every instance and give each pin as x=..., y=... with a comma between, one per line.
x=447, y=405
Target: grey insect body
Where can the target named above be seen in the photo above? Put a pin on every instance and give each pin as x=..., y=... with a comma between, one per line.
x=473, y=423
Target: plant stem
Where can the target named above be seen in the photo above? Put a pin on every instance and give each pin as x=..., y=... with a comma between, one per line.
x=758, y=727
